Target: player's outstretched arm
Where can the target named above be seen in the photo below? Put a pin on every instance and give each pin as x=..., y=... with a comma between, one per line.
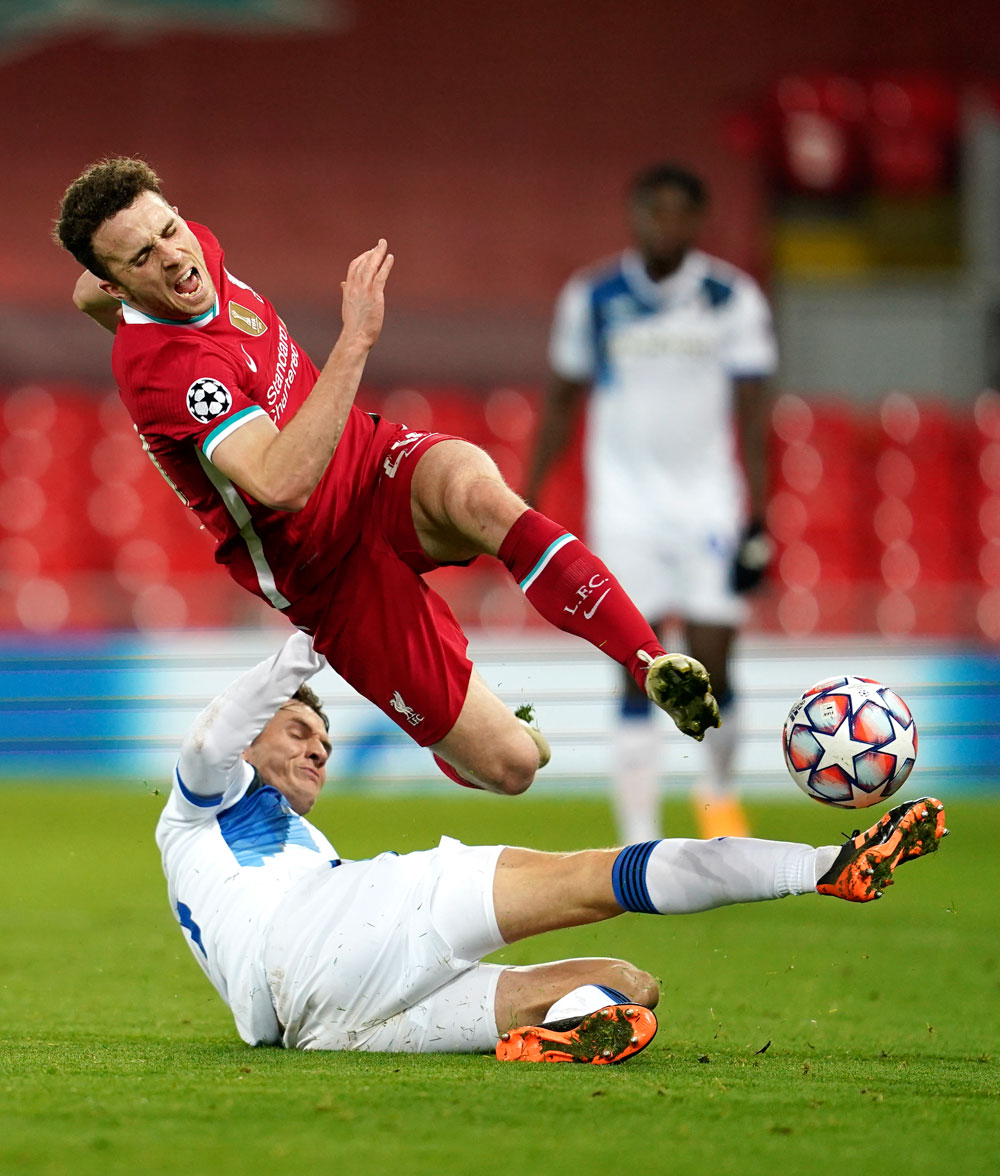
x=282, y=468
x=563, y=401
x=753, y=415
x=755, y=550
x=91, y=299
x=212, y=749
x=572, y=364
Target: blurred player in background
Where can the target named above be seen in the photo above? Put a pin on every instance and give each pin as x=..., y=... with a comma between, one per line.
x=313, y=952
x=329, y=513
x=674, y=348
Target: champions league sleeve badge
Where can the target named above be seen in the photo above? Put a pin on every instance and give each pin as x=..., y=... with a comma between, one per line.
x=208, y=399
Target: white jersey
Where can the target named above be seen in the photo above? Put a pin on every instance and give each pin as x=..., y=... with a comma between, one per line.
x=660, y=358
x=232, y=847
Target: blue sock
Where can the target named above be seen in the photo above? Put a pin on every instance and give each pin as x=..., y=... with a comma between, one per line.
x=628, y=878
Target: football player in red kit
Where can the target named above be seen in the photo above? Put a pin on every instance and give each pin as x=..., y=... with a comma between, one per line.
x=329, y=513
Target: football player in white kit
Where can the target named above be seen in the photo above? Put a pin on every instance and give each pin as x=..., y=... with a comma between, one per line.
x=674, y=348
x=313, y=952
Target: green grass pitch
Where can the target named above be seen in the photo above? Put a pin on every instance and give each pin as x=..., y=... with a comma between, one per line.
x=804, y=1036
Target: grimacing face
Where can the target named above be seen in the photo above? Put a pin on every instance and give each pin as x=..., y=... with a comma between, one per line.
x=155, y=261
x=291, y=754
x=665, y=225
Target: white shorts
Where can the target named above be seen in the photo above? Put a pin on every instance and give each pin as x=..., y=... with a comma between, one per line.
x=383, y=954
x=674, y=570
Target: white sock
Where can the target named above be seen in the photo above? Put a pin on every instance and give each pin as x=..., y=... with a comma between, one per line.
x=678, y=876
x=826, y=855
x=635, y=784
x=588, y=998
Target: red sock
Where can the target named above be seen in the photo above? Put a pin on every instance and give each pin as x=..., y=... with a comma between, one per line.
x=452, y=773
x=574, y=591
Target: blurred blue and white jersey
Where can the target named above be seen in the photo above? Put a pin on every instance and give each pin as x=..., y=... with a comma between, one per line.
x=660, y=358
x=232, y=846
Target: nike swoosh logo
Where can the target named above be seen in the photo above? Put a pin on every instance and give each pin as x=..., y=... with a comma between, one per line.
x=597, y=603
x=250, y=362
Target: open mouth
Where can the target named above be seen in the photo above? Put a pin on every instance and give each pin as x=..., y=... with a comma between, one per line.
x=189, y=283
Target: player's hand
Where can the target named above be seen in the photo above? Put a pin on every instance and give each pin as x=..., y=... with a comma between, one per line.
x=363, y=294
x=753, y=557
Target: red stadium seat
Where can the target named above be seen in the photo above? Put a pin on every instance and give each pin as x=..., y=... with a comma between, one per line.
x=886, y=516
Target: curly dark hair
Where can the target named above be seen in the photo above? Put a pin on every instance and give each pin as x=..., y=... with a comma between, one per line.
x=308, y=697
x=668, y=175
x=103, y=190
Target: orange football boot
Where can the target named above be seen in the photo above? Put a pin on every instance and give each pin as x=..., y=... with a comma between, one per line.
x=602, y=1038
x=864, y=867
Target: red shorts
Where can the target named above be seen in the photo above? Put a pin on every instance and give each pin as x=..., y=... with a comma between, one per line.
x=386, y=633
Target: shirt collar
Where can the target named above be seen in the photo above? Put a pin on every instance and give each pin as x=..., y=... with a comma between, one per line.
x=132, y=315
x=681, y=282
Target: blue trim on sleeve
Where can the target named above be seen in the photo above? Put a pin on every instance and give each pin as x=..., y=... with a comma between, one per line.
x=612, y=302
x=224, y=426
x=628, y=878
x=194, y=798
x=716, y=293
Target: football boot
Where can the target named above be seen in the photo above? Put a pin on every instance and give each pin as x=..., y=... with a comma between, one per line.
x=602, y=1038
x=865, y=864
x=719, y=814
x=680, y=686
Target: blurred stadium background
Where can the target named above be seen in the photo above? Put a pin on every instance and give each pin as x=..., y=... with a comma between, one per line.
x=854, y=161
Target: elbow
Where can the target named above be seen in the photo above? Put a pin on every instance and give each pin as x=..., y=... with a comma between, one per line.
x=266, y=470
x=289, y=499
x=295, y=500
x=83, y=292
x=284, y=494
x=288, y=490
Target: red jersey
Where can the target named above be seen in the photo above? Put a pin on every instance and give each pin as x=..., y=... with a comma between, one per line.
x=188, y=385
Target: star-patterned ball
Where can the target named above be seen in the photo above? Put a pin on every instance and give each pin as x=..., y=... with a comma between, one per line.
x=849, y=742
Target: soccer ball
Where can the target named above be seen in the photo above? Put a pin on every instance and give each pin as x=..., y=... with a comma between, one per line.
x=849, y=742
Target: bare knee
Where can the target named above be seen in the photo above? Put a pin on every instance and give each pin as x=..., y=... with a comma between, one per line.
x=462, y=507
x=483, y=495
x=510, y=767
x=489, y=745
x=644, y=988
x=638, y=985
x=525, y=994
